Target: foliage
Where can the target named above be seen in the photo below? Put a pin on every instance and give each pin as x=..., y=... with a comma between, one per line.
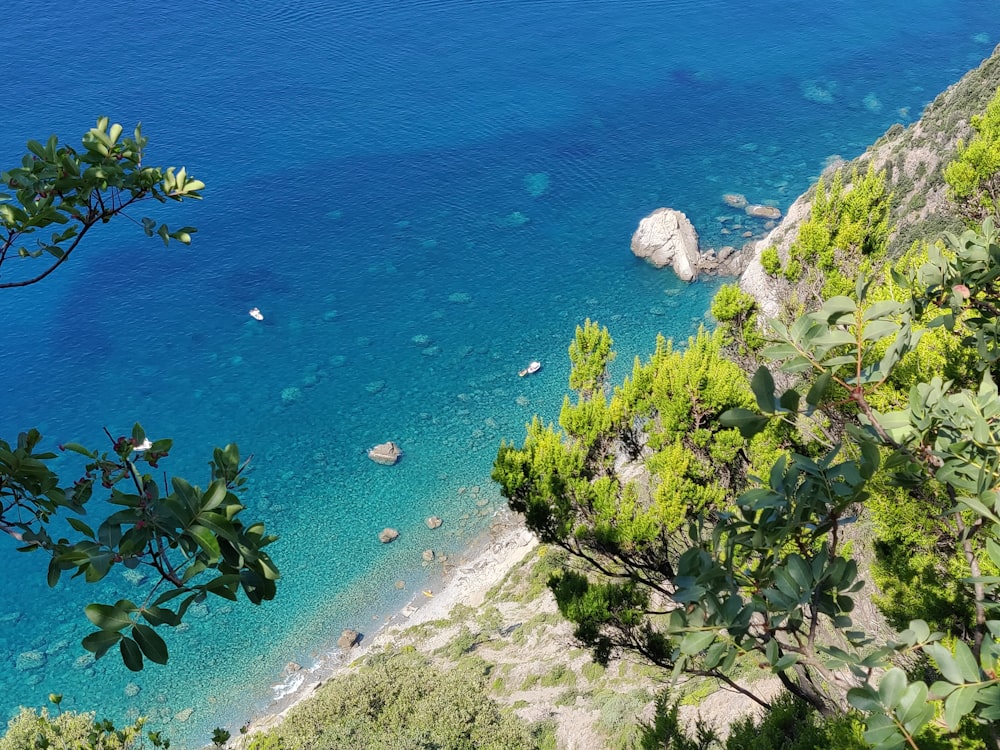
x=848, y=228
x=736, y=312
x=75, y=731
x=759, y=565
x=400, y=701
x=193, y=540
x=973, y=178
x=770, y=261
x=590, y=353
x=667, y=733
x=790, y=724
x=944, y=435
x=59, y=188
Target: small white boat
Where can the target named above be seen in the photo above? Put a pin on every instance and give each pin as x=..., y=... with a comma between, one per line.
x=531, y=369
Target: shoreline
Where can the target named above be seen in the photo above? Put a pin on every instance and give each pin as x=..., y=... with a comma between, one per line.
x=485, y=562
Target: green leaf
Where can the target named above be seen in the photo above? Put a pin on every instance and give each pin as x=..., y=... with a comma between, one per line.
x=786, y=661
x=150, y=643
x=214, y=495
x=891, y=687
x=835, y=308
x=921, y=630
x=107, y=617
x=958, y=704
x=80, y=526
x=966, y=662
x=789, y=400
x=100, y=641
x=863, y=699
x=131, y=654
x=762, y=386
x=819, y=388
x=697, y=641
x=744, y=420
x=945, y=663
x=160, y=615
x=53, y=573
x=206, y=540
x=77, y=448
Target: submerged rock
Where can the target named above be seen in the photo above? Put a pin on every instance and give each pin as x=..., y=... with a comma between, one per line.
x=386, y=453
x=763, y=212
x=433, y=522
x=28, y=660
x=388, y=535
x=536, y=184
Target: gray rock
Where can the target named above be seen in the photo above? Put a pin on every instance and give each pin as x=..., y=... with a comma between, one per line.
x=763, y=212
x=667, y=237
x=428, y=555
x=28, y=660
x=433, y=522
x=386, y=453
x=388, y=535
x=348, y=639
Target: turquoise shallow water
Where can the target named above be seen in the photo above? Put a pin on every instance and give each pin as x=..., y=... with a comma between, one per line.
x=421, y=198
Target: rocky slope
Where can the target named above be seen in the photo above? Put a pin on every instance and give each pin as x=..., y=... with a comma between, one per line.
x=914, y=159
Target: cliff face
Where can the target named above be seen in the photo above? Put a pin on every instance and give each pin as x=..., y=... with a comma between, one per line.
x=914, y=159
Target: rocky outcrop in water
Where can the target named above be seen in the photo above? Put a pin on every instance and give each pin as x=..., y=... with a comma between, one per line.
x=348, y=639
x=388, y=535
x=667, y=238
x=386, y=453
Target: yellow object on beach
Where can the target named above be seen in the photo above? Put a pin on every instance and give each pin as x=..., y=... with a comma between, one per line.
x=427, y=593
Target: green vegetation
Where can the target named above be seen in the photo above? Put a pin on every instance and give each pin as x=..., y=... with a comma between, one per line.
x=770, y=261
x=736, y=312
x=974, y=177
x=75, y=731
x=847, y=230
x=706, y=515
x=192, y=541
x=401, y=700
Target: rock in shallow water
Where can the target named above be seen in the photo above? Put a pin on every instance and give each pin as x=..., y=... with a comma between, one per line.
x=386, y=453
x=348, y=639
x=388, y=535
x=667, y=237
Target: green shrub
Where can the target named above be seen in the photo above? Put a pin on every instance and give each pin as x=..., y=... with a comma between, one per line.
x=770, y=261
x=401, y=701
x=560, y=674
x=71, y=730
x=593, y=671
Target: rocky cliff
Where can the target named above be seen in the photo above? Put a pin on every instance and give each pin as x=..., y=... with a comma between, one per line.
x=914, y=159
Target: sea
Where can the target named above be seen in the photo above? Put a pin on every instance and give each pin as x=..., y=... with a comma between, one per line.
x=421, y=197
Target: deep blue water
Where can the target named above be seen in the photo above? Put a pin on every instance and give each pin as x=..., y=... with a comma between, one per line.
x=369, y=167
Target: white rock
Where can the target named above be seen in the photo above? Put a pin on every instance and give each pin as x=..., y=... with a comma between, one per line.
x=667, y=237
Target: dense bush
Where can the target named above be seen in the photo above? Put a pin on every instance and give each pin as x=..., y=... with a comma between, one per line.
x=69, y=730
x=400, y=701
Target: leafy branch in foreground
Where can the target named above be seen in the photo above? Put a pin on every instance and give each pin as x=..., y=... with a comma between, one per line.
x=192, y=540
x=60, y=188
x=686, y=558
x=946, y=438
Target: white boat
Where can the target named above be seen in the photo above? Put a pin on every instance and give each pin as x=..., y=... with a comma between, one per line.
x=531, y=369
